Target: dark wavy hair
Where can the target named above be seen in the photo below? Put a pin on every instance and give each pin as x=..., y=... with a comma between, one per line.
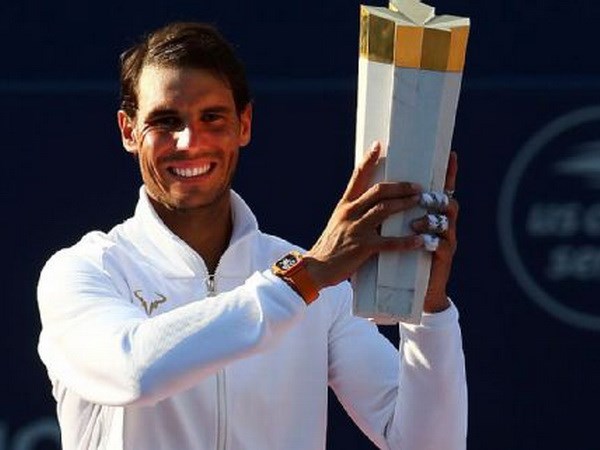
x=184, y=45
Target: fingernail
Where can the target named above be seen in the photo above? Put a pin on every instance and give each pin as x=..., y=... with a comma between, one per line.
x=431, y=242
x=375, y=146
x=434, y=201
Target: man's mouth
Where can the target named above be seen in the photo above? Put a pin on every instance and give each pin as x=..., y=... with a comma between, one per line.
x=190, y=172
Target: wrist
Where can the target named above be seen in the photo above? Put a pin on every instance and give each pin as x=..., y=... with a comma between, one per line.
x=315, y=269
x=292, y=268
x=436, y=302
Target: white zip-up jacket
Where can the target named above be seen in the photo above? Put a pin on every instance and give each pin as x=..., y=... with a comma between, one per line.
x=146, y=351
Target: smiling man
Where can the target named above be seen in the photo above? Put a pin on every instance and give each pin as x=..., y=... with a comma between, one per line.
x=186, y=131
x=186, y=327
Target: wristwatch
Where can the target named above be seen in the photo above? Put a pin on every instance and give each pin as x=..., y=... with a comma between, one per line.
x=292, y=269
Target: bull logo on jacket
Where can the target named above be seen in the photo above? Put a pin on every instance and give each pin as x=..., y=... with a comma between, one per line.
x=149, y=305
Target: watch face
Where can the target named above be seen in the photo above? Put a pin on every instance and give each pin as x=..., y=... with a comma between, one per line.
x=286, y=262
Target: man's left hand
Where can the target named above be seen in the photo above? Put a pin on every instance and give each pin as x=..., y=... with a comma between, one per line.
x=436, y=299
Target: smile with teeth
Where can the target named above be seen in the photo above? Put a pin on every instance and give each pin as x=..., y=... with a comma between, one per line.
x=189, y=172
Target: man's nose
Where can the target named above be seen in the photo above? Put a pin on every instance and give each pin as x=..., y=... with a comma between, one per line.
x=184, y=138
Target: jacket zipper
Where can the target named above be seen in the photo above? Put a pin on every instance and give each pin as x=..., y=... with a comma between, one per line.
x=211, y=285
x=221, y=388
x=221, y=411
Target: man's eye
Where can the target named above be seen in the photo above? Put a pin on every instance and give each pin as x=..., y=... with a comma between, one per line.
x=211, y=117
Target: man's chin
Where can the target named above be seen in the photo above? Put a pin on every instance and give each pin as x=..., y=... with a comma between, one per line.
x=195, y=203
x=188, y=200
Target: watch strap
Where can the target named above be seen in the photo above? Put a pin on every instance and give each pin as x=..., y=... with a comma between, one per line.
x=297, y=277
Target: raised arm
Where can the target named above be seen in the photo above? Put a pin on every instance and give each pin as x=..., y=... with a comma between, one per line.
x=415, y=398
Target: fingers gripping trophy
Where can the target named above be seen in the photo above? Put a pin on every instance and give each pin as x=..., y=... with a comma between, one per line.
x=409, y=78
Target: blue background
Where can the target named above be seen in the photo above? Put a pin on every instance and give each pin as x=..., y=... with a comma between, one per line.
x=532, y=377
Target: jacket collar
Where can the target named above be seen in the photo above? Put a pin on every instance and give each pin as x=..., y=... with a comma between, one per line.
x=176, y=259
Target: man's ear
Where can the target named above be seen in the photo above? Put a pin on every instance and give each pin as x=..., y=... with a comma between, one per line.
x=128, y=137
x=246, y=125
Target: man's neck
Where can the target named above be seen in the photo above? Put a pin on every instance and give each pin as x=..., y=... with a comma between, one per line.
x=207, y=230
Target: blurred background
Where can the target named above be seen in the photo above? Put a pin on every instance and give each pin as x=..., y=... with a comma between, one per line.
x=527, y=272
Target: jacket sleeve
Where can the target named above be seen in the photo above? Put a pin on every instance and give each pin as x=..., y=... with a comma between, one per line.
x=414, y=398
x=109, y=352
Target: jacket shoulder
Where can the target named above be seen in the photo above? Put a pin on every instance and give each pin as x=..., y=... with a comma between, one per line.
x=85, y=256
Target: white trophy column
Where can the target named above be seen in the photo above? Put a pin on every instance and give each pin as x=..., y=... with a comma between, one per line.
x=421, y=126
x=374, y=101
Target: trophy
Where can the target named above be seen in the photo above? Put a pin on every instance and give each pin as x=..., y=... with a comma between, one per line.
x=409, y=77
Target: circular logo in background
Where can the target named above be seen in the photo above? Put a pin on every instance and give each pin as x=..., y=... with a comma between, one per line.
x=549, y=218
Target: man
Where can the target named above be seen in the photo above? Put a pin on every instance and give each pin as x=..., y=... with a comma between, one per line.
x=175, y=331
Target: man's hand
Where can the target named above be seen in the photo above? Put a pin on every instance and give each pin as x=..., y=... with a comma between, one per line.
x=351, y=235
x=436, y=299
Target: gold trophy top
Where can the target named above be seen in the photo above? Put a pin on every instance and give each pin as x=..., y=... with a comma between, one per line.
x=409, y=34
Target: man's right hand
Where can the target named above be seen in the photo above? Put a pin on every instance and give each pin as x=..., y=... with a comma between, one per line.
x=352, y=233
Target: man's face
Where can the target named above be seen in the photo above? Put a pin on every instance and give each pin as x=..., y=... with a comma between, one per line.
x=187, y=135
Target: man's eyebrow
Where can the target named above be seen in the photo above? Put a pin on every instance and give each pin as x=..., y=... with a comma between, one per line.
x=161, y=112
x=217, y=109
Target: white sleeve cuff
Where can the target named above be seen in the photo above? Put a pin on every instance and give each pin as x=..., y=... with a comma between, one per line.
x=443, y=319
